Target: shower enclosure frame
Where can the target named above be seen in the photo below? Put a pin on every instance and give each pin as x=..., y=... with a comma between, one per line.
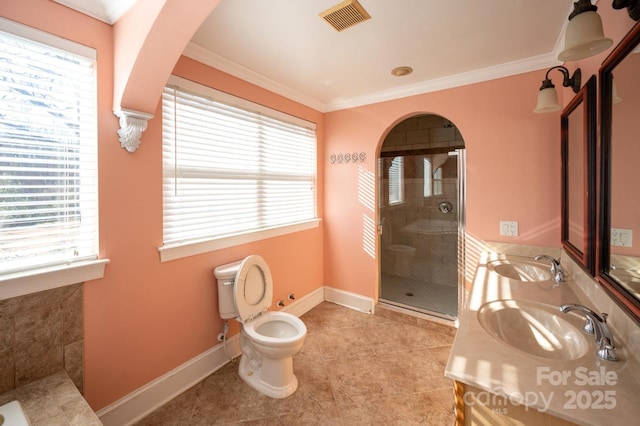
x=461, y=250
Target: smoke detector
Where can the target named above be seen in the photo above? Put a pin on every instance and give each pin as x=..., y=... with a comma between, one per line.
x=345, y=15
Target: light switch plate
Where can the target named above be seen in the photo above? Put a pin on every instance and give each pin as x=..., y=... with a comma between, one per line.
x=621, y=237
x=508, y=228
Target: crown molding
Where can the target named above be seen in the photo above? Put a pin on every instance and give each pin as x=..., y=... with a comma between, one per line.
x=105, y=11
x=200, y=54
x=207, y=57
x=452, y=81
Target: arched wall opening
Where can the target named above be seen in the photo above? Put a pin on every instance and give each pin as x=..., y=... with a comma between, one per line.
x=420, y=181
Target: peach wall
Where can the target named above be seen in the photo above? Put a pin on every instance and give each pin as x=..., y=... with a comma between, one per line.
x=513, y=162
x=145, y=318
x=625, y=196
x=513, y=169
x=148, y=40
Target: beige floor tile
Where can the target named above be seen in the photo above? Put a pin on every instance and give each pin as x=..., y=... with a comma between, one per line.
x=354, y=369
x=344, y=343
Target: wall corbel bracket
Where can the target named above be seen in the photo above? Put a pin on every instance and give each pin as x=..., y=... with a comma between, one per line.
x=132, y=124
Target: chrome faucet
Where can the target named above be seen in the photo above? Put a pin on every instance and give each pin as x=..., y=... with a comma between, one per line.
x=596, y=325
x=556, y=269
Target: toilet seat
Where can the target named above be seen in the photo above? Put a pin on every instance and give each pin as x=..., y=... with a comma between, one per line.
x=276, y=329
x=253, y=290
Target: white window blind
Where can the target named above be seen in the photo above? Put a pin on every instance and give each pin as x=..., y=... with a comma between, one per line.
x=231, y=169
x=48, y=152
x=396, y=181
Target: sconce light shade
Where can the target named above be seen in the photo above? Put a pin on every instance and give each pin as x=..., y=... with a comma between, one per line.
x=584, y=37
x=547, y=100
x=548, y=97
x=615, y=99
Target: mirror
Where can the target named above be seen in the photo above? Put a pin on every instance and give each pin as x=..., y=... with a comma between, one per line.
x=578, y=124
x=619, y=251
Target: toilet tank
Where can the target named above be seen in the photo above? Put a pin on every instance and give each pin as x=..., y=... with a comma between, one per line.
x=226, y=276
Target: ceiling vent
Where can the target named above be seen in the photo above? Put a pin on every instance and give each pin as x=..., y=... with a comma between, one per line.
x=345, y=15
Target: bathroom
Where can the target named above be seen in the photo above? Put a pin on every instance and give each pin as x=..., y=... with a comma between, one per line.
x=144, y=318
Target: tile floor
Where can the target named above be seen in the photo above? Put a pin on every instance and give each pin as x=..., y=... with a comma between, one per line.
x=421, y=294
x=354, y=369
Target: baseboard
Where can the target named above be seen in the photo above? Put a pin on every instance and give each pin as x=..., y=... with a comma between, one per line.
x=349, y=300
x=305, y=304
x=154, y=394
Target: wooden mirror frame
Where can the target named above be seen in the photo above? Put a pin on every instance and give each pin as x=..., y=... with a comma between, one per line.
x=584, y=101
x=618, y=292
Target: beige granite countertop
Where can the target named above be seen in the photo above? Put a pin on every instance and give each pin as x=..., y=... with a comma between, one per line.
x=53, y=401
x=586, y=391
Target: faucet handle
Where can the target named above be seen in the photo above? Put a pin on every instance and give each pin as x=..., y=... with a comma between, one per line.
x=588, y=325
x=607, y=350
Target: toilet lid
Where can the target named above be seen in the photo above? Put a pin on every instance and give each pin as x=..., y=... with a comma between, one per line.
x=253, y=291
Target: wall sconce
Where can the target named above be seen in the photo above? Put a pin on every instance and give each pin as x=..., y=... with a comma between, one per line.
x=633, y=7
x=615, y=98
x=584, y=36
x=548, y=97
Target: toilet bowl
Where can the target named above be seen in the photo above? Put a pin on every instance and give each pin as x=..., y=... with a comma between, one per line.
x=396, y=258
x=268, y=340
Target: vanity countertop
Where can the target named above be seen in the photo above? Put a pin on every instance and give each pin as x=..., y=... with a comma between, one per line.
x=53, y=400
x=586, y=390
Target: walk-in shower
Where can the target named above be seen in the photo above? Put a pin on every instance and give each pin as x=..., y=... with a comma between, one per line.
x=421, y=216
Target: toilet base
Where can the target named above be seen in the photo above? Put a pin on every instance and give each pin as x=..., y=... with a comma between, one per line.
x=397, y=263
x=274, y=377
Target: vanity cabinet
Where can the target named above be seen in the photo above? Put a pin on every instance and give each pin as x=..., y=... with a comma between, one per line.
x=475, y=407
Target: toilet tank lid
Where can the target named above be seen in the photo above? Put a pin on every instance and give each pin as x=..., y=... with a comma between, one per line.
x=228, y=270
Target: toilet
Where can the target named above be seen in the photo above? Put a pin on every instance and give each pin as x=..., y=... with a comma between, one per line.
x=396, y=258
x=268, y=340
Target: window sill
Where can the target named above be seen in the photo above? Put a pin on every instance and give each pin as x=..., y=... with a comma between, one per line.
x=170, y=252
x=33, y=281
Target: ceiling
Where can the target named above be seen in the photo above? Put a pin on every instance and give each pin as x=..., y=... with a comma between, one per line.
x=286, y=47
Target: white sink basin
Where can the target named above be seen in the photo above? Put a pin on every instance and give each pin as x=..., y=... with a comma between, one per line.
x=11, y=414
x=521, y=270
x=534, y=328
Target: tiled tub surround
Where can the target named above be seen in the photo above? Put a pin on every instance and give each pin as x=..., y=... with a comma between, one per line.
x=53, y=401
x=41, y=334
x=480, y=361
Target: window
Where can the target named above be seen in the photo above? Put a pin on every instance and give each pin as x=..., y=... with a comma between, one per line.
x=48, y=151
x=432, y=180
x=396, y=181
x=231, y=167
x=428, y=179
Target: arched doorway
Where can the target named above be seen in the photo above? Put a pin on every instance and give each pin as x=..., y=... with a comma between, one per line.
x=421, y=172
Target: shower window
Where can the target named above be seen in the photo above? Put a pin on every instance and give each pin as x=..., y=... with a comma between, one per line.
x=432, y=180
x=396, y=181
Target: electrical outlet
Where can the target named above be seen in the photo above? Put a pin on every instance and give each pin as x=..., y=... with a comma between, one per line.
x=621, y=237
x=508, y=228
